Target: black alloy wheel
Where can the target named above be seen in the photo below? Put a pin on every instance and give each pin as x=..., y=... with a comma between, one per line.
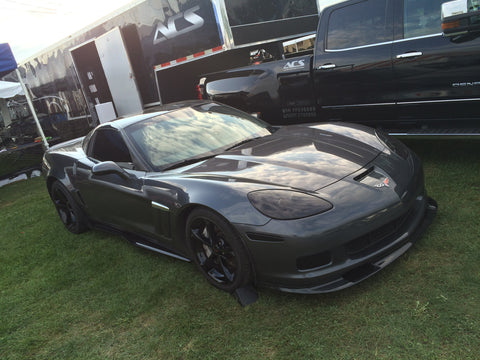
x=217, y=250
x=68, y=210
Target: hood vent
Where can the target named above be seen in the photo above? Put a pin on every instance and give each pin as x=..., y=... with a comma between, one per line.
x=364, y=174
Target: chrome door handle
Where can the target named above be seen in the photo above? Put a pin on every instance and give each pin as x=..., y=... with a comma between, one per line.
x=409, y=55
x=326, y=66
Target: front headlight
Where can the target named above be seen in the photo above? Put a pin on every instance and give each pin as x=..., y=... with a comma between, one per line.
x=287, y=204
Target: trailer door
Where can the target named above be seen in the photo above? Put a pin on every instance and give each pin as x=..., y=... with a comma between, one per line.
x=118, y=71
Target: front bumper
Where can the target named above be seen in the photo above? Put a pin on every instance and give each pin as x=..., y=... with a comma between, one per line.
x=362, y=270
x=369, y=227
x=313, y=264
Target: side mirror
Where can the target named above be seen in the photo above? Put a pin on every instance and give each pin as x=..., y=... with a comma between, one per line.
x=460, y=17
x=109, y=167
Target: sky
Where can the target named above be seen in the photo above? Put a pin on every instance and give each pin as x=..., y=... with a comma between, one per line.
x=30, y=26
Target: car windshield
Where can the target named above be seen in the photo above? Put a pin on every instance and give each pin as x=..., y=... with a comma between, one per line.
x=192, y=133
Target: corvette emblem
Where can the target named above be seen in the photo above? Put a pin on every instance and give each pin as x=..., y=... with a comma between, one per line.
x=384, y=183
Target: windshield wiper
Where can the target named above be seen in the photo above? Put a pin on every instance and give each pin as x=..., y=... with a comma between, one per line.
x=187, y=162
x=206, y=157
x=241, y=143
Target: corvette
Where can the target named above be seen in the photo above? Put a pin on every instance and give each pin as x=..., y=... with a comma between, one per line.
x=304, y=209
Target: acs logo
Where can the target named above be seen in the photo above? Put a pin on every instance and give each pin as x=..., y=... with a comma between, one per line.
x=170, y=31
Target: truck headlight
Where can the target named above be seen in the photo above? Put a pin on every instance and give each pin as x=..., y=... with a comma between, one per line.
x=287, y=204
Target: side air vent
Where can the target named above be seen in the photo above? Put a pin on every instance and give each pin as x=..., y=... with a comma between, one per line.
x=80, y=197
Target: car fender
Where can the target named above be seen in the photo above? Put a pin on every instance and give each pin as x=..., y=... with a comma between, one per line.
x=59, y=172
x=224, y=195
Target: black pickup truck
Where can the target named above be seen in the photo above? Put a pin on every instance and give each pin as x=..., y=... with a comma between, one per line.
x=384, y=63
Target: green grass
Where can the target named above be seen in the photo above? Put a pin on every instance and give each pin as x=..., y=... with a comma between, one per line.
x=94, y=296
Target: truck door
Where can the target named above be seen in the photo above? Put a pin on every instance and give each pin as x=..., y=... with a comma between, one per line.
x=353, y=67
x=438, y=77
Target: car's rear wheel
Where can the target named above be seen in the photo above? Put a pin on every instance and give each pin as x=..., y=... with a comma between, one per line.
x=70, y=213
x=217, y=250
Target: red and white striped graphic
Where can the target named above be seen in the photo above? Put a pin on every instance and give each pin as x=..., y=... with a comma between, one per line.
x=189, y=58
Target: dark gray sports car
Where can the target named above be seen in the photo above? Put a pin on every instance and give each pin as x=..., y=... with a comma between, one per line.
x=305, y=209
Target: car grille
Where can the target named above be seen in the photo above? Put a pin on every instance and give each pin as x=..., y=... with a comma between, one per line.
x=378, y=238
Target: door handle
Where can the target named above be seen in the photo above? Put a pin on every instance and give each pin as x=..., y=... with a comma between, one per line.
x=326, y=66
x=409, y=55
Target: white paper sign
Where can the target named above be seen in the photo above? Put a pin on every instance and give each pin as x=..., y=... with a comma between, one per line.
x=452, y=8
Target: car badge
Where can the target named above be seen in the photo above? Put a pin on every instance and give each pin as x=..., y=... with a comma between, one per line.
x=384, y=183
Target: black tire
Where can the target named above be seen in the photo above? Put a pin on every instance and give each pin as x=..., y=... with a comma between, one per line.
x=217, y=250
x=70, y=213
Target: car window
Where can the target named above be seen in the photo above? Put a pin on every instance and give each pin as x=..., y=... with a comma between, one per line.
x=421, y=17
x=192, y=133
x=108, y=145
x=360, y=24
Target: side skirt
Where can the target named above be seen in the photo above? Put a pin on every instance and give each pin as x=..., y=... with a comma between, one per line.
x=151, y=248
x=139, y=241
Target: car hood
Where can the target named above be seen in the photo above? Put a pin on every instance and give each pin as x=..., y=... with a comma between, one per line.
x=302, y=157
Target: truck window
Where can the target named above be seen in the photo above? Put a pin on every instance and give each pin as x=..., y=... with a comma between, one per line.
x=357, y=25
x=242, y=12
x=421, y=17
x=299, y=46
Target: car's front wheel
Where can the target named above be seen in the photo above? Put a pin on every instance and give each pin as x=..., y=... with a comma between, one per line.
x=217, y=250
x=68, y=210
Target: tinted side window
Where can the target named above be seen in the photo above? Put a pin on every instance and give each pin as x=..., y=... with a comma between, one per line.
x=360, y=24
x=108, y=145
x=421, y=17
x=242, y=12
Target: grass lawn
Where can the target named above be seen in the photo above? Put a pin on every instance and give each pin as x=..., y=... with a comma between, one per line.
x=94, y=296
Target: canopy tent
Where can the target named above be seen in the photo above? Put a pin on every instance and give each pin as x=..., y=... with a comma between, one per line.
x=7, y=60
x=10, y=89
x=7, y=65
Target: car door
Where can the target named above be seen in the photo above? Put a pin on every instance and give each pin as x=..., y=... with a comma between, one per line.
x=437, y=77
x=113, y=198
x=352, y=67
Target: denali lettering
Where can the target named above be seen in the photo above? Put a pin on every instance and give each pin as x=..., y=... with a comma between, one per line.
x=170, y=31
x=466, y=84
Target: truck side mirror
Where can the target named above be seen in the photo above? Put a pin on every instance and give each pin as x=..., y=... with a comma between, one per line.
x=460, y=17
